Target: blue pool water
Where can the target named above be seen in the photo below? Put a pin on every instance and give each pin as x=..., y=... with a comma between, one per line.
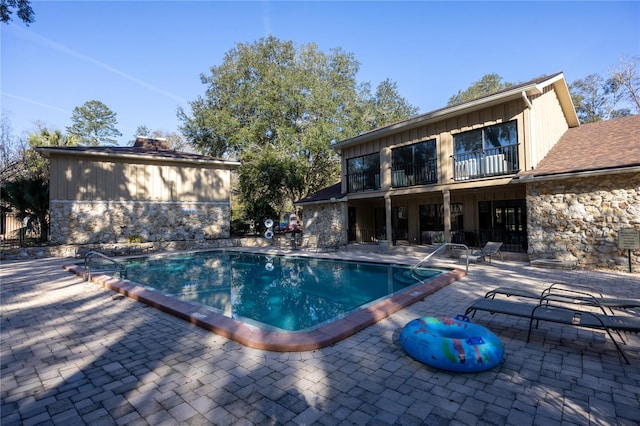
x=283, y=292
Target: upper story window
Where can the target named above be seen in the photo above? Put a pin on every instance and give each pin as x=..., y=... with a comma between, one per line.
x=489, y=151
x=414, y=164
x=363, y=173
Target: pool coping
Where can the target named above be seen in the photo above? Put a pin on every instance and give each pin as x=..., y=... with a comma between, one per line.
x=255, y=337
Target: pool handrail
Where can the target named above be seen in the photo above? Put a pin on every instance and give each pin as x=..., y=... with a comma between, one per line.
x=442, y=247
x=121, y=266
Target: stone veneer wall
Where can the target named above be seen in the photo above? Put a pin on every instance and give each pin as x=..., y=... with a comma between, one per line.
x=327, y=221
x=83, y=222
x=579, y=219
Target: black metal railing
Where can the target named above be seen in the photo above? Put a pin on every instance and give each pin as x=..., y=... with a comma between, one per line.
x=486, y=163
x=363, y=236
x=512, y=241
x=363, y=181
x=419, y=173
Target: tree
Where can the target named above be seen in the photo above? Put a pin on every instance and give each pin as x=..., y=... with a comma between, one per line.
x=596, y=98
x=23, y=7
x=28, y=197
x=94, y=124
x=386, y=107
x=627, y=77
x=271, y=100
x=36, y=164
x=11, y=149
x=487, y=85
x=175, y=140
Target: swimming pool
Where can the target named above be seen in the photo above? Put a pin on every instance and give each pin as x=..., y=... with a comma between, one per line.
x=222, y=294
x=281, y=292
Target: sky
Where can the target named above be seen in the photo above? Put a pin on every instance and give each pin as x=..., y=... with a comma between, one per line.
x=144, y=59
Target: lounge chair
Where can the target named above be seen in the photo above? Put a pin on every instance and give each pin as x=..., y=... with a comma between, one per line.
x=568, y=293
x=546, y=311
x=492, y=248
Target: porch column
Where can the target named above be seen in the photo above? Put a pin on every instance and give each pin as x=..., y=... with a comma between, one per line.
x=446, y=201
x=387, y=215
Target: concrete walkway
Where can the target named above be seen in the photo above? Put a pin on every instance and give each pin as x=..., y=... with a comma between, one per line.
x=75, y=353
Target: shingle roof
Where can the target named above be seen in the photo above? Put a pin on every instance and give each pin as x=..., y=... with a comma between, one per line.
x=325, y=194
x=168, y=154
x=594, y=146
x=515, y=90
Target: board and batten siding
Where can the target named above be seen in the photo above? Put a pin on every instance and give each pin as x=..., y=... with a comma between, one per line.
x=443, y=131
x=99, y=180
x=548, y=126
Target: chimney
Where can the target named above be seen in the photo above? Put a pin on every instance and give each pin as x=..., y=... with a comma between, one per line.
x=151, y=143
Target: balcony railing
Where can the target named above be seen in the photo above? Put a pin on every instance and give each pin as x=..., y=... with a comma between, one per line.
x=420, y=173
x=363, y=181
x=486, y=163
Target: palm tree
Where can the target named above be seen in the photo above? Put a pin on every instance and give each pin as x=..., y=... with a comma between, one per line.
x=28, y=197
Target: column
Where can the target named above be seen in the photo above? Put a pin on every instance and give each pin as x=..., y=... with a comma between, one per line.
x=387, y=215
x=446, y=201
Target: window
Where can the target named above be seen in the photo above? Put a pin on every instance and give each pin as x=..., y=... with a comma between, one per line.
x=363, y=173
x=432, y=217
x=490, y=151
x=414, y=164
x=487, y=138
x=432, y=221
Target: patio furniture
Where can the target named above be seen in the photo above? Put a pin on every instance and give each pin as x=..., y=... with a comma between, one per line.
x=546, y=310
x=492, y=248
x=571, y=293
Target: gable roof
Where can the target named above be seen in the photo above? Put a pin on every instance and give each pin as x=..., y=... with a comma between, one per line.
x=533, y=87
x=605, y=145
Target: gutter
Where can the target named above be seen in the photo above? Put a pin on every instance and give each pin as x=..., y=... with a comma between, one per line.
x=580, y=174
x=526, y=100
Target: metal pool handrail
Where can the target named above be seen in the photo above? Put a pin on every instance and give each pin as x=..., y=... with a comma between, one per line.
x=442, y=247
x=119, y=266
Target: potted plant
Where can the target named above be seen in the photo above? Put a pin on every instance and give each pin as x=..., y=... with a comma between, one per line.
x=438, y=240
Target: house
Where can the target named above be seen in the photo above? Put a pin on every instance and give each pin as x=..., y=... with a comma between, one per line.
x=146, y=192
x=514, y=166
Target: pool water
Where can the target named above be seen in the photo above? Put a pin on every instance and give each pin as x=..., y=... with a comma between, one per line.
x=281, y=292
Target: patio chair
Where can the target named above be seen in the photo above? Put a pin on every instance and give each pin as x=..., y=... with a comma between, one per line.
x=567, y=315
x=492, y=248
x=570, y=293
x=309, y=242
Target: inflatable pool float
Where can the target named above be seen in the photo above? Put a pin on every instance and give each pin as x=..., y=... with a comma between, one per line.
x=453, y=344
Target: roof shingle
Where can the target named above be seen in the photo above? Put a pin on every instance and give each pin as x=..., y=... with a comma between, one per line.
x=594, y=146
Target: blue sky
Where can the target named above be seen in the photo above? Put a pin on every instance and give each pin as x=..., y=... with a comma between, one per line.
x=144, y=59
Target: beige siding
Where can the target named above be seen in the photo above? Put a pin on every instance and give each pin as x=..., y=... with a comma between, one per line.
x=442, y=131
x=548, y=125
x=89, y=179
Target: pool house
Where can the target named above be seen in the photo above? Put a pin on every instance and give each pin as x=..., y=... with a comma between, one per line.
x=145, y=192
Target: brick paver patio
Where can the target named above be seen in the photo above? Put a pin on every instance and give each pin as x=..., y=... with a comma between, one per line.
x=75, y=353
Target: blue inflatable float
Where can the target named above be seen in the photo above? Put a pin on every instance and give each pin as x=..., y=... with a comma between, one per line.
x=453, y=344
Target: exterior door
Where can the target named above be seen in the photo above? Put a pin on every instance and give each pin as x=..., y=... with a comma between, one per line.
x=504, y=221
x=400, y=223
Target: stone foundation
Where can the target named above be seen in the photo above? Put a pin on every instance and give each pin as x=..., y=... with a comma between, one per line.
x=579, y=219
x=83, y=222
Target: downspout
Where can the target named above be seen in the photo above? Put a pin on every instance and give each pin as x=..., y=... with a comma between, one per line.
x=531, y=152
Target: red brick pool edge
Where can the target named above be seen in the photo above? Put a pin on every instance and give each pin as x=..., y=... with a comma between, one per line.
x=255, y=337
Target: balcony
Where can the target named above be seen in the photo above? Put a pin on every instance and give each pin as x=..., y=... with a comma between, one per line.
x=486, y=163
x=363, y=181
x=421, y=173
